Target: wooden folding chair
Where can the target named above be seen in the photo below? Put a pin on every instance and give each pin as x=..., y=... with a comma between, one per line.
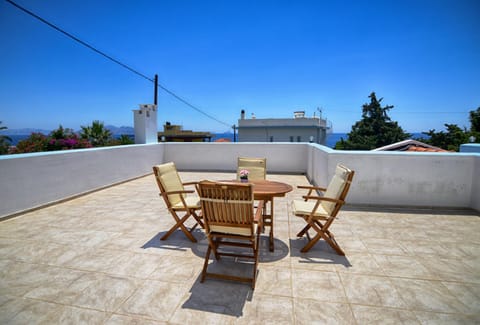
x=230, y=220
x=257, y=167
x=175, y=196
x=320, y=211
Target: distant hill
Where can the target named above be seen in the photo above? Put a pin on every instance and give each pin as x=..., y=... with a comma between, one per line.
x=120, y=130
x=26, y=131
x=127, y=130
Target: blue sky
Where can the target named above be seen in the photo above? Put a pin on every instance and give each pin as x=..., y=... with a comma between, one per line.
x=270, y=58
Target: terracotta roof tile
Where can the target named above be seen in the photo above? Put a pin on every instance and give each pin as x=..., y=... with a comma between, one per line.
x=412, y=146
x=223, y=140
x=423, y=149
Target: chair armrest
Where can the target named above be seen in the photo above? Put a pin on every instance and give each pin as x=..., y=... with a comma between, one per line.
x=179, y=192
x=258, y=215
x=323, y=198
x=165, y=194
x=190, y=183
x=312, y=188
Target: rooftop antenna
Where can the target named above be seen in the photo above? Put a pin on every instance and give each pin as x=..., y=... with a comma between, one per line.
x=319, y=109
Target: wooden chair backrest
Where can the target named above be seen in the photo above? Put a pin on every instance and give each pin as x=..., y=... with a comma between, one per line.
x=168, y=180
x=338, y=188
x=227, y=208
x=257, y=167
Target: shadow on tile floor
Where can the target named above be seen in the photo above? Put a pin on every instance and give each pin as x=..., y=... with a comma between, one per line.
x=265, y=256
x=320, y=253
x=176, y=241
x=220, y=296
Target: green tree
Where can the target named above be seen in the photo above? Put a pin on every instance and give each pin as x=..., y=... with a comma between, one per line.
x=374, y=130
x=96, y=134
x=36, y=142
x=59, y=139
x=475, y=121
x=62, y=133
x=123, y=140
x=449, y=140
x=475, y=126
x=4, y=141
x=65, y=139
x=454, y=136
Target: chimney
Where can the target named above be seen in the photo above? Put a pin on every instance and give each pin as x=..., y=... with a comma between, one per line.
x=145, y=123
x=299, y=114
x=242, y=114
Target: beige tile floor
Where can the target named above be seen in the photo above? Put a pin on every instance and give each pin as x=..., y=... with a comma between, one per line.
x=98, y=259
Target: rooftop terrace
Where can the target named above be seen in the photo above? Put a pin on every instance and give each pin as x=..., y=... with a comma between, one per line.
x=97, y=259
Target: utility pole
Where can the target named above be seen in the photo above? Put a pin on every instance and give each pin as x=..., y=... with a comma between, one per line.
x=155, y=91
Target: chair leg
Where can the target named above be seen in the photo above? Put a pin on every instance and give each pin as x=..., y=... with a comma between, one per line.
x=254, y=244
x=329, y=237
x=255, y=254
x=310, y=244
x=330, y=241
x=205, y=264
x=304, y=231
x=215, y=242
x=180, y=225
x=322, y=233
x=197, y=218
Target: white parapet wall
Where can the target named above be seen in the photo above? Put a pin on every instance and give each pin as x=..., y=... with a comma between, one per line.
x=450, y=180
x=211, y=156
x=31, y=180
x=470, y=147
x=411, y=179
x=475, y=195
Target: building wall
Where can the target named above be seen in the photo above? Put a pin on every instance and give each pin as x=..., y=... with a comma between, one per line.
x=281, y=134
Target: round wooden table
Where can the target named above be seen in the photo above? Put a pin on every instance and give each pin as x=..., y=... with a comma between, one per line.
x=266, y=190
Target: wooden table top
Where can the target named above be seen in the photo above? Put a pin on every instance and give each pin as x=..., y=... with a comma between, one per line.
x=266, y=187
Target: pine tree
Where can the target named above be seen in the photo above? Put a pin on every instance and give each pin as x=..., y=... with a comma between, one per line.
x=374, y=130
x=474, y=135
x=449, y=140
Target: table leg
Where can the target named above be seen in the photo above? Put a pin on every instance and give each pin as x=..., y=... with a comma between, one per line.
x=271, y=226
x=268, y=220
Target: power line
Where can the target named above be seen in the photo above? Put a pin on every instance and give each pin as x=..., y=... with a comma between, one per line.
x=192, y=106
x=76, y=39
x=79, y=40
x=401, y=112
x=425, y=112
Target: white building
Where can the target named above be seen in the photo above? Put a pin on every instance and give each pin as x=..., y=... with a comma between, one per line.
x=145, y=122
x=296, y=129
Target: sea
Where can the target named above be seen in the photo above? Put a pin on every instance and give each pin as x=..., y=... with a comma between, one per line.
x=332, y=138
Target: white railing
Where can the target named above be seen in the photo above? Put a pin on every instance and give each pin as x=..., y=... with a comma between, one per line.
x=382, y=178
